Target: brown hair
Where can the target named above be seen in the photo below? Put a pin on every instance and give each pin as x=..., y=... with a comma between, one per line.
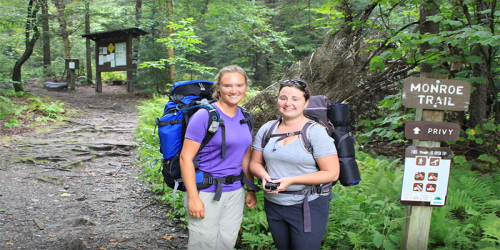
x=299, y=84
x=228, y=69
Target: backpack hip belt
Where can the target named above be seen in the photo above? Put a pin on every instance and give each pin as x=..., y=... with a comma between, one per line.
x=322, y=190
x=209, y=180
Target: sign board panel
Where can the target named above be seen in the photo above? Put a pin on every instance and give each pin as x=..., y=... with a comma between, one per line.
x=426, y=175
x=432, y=131
x=72, y=63
x=436, y=94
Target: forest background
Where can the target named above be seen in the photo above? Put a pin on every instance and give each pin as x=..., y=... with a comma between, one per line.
x=356, y=52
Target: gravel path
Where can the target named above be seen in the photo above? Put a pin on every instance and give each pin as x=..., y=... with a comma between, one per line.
x=75, y=186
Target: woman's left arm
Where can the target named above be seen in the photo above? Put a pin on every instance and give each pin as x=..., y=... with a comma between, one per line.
x=251, y=199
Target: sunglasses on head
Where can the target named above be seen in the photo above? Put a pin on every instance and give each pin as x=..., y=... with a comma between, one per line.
x=298, y=83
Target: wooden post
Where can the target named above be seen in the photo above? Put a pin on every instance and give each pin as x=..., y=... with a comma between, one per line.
x=129, y=62
x=72, y=79
x=98, y=83
x=417, y=220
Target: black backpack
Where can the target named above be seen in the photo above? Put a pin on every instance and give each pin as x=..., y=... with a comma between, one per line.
x=187, y=97
x=335, y=119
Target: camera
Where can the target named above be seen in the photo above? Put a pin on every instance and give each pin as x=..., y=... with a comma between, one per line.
x=272, y=186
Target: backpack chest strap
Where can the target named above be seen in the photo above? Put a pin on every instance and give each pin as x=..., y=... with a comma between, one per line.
x=283, y=136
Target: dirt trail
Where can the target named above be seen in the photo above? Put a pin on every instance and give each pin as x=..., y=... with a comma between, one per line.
x=76, y=186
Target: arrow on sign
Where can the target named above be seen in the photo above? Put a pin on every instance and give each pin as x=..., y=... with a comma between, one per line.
x=416, y=130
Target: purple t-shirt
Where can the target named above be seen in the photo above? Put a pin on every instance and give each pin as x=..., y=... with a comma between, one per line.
x=238, y=140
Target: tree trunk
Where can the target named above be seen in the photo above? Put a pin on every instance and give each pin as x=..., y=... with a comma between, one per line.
x=426, y=10
x=31, y=26
x=261, y=68
x=479, y=97
x=170, y=51
x=477, y=108
x=63, y=28
x=47, y=71
x=138, y=12
x=88, y=48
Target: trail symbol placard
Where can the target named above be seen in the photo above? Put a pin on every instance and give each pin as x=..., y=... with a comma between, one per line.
x=432, y=131
x=426, y=175
x=436, y=94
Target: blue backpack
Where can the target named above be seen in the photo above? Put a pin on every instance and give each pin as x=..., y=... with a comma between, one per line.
x=187, y=97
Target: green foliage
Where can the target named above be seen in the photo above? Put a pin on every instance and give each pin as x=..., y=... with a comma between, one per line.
x=6, y=65
x=385, y=123
x=11, y=123
x=114, y=75
x=15, y=109
x=236, y=32
x=491, y=225
x=11, y=109
x=483, y=141
x=6, y=107
x=184, y=42
x=50, y=110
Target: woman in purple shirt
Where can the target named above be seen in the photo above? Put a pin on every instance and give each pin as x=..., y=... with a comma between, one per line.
x=215, y=224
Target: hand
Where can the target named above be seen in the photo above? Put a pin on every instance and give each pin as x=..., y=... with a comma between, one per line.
x=251, y=200
x=284, y=183
x=265, y=179
x=196, y=208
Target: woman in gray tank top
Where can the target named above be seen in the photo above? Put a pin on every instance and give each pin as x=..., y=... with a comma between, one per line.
x=297, y=207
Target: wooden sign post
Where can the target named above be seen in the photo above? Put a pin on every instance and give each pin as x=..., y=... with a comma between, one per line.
x=428, y=96
x=113, y=50
x=71, y=65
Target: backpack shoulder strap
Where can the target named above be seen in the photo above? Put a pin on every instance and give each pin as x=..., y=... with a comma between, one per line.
x=213, y=125
x=248, y=118
x=304, y=136
x=267, y=134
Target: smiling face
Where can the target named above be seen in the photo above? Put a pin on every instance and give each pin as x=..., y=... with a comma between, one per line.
x=291, y=102
x=232, y=88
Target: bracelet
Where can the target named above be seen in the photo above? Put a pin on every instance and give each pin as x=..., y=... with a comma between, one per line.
x=250, y=190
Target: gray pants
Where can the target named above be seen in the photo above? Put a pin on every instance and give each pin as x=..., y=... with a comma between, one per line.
x=219, y=229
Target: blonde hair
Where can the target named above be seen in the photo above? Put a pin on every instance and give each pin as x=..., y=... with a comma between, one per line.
x=228, y=69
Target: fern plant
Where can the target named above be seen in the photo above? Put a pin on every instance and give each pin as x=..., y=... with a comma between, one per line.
x=491, y=225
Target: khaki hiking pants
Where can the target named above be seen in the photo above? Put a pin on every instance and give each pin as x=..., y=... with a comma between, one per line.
x=219, y=229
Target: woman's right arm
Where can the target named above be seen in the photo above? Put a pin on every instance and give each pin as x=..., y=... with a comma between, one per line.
x=257, y=167
x=189, y=150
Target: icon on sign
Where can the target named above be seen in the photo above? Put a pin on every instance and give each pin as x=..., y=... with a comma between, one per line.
x=431, y=188
x=419, y=176
x=434, y=161
x=437, y=200
x=416, y=130
x=419, y=187
x=432, y=177
x=420, y=161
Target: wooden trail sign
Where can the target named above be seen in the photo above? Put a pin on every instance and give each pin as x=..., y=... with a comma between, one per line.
x=432, y=131
x=436, y=94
